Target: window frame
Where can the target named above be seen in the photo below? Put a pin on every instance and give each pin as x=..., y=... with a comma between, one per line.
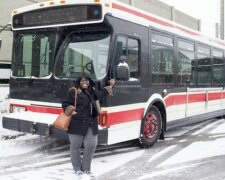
x=223, y=65
x=186, y=50
x=64, y=46
x=209, y=84
x=173, y=48
x=114, y=61
x=50, y=32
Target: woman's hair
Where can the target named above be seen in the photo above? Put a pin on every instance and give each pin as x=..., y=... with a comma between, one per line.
x=91, y=84
x=85, y=76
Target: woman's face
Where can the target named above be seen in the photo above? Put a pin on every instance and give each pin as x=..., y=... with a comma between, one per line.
x=84, y=83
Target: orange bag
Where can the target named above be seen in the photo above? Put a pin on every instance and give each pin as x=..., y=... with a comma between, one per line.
x=63, y=121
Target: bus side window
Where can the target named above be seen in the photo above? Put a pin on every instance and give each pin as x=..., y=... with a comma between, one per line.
x=217, y=68
x=186, y=63
x=204, y=66
x=162, y=55
x=119, y=52
x=128, y=47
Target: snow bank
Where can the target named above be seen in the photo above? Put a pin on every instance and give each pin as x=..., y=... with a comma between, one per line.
x=4, y=107
x=4, y=93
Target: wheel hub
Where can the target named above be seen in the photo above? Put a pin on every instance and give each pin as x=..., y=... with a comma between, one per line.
x=151, y=126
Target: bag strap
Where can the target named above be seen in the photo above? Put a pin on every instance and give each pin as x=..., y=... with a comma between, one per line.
x=75, y=96
x=75, y=99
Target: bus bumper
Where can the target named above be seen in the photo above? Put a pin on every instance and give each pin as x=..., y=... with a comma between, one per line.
x=37, y=125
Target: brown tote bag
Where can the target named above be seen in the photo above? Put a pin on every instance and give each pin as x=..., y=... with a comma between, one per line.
x=62, y=122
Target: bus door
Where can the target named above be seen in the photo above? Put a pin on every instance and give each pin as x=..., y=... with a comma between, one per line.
x=127, y=54
x=127, y=92
x=192, y=76
x=196, y=90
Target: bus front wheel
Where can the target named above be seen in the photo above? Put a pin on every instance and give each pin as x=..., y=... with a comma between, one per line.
x=150, y=127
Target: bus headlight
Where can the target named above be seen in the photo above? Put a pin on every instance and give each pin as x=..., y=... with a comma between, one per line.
x=16, y=108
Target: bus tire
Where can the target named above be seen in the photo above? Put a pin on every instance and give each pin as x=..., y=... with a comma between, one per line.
x=150, y=127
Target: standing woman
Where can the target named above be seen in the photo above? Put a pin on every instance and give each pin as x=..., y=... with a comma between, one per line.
x=84, y=126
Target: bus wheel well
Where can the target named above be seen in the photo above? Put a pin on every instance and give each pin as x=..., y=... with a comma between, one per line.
x=150, y=127
x=162, y=111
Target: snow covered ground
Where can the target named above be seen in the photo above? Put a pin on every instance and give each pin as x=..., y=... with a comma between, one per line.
x=192, y=152
x=4, y=106
x=25, y=155
x=33, y=157
x=4, y=92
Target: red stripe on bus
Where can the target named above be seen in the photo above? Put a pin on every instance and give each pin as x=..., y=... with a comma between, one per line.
x=186, y=30
x=176, y=100
x=112, y=118
x=194, y=98
x=40, y=109
x=135, y=114
x=44, y=109
x=221, y=43
x=124, y=116
x=150, y=18
x=214, y=96
x=182, y=99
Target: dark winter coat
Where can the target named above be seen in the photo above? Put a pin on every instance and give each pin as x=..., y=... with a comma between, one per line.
x=86, y=112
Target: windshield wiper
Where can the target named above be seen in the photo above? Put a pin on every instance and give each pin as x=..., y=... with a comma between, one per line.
x=44, y=56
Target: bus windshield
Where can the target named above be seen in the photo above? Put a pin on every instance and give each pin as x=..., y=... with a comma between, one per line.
x=84, y=52
x=33, y=54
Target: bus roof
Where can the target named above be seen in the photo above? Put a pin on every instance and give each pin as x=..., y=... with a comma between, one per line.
x=139, y=16
x=129, y=13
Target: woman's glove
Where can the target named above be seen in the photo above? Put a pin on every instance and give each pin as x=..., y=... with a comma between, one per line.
x=111, y=82
x=110, y=87
x=70, y=110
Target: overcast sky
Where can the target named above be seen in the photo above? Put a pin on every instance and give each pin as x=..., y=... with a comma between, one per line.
x=208, y=11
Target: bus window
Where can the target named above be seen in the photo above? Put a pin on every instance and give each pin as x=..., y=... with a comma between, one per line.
x=132, y=58
x=156, y=38
x=185, y=61
x=217, y=68
x=130, y=48
x=33, y=54
x=162, y=59
x=204, y=66
x=185, y=45
x=203, y=50
x=162, y=65
x=85, y=52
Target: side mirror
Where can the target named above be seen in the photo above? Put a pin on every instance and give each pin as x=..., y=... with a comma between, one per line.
x=123, y=72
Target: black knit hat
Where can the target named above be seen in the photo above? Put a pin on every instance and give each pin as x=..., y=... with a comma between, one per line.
x=123, y=58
